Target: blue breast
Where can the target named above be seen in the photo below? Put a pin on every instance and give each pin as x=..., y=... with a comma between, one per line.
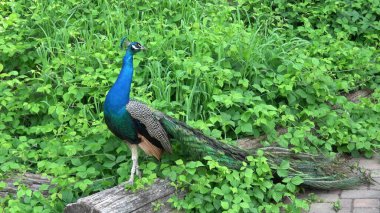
x=117, y=118
x=121, y=124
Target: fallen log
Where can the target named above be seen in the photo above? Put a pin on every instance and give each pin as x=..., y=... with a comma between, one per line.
x=355, y=96
x=118, y=200
x=254, y=143
x=32, y=181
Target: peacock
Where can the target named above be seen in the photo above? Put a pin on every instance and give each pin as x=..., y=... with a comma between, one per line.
x=154, y=132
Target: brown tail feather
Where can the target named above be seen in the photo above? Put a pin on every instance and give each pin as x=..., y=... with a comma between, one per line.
x=149, y=148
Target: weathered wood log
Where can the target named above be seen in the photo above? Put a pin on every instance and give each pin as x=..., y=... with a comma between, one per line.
x=254, y=143
x=118, y=200
x=355, y=96
x=33, y=181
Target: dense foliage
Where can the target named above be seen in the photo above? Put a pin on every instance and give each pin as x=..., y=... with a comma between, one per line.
x=230, y=68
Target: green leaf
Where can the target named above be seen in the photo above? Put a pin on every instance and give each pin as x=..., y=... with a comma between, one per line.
x=2, y=184
x=67, y=195
x=351, y=146
x=209, y=207
x=111, y=157
x=191, y=171
x=20, y=193
x=244, y=205
x=291, y=187
x=191, y=164
x=217, y=191
x=248, y=173
x=225, y=189
x=246, y=116
x=179, y=162
x=285, y=164
x=258, y=194
x=224, y=204
x=277, y=196
x=44, y=187
x=151, y=166
x=315, y=61
x=282, y=172
x=246, y=127
x=76, y=161
x=208, y=158
x=250, y=158
x=297, y=180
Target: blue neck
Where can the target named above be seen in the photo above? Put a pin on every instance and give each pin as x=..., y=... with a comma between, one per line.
x=118, y=96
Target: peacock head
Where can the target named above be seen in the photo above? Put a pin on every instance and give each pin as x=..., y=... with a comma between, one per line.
x=135, y=47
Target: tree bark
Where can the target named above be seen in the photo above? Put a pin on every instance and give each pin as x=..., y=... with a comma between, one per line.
x=118, y=200
x=33, y=181
x=355, y=96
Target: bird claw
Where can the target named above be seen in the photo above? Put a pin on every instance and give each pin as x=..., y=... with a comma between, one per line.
x=130, y=182
x=138, y=172
x=134, y=171
x=135, y=165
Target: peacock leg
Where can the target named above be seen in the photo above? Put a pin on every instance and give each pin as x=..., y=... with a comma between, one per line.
x=135, y=164
x=138, y=172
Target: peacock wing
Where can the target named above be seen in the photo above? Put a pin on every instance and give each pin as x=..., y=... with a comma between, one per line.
x=144, y=114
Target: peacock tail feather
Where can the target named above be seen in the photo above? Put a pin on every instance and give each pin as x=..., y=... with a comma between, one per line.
x=197, y=145
x=317, y=171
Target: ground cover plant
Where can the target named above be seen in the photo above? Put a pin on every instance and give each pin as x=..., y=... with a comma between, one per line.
x=230, y=68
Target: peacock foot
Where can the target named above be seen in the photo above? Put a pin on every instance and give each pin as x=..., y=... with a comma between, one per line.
x=135, y=170
x=135, y=165
x=131, y=181
x=138, y=172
